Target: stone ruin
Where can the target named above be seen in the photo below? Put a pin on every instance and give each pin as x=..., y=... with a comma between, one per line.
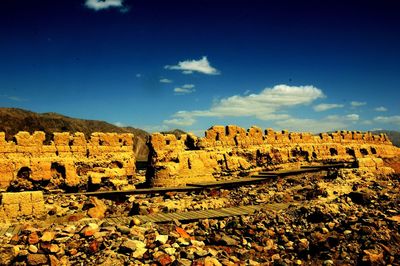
x=28, y=203
x=232, y=150
x=68, y=162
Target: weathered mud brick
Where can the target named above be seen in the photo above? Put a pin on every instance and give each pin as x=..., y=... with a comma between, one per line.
x=125, y=139
x=6, y=172
x=41, y=169
x=15, y=197
x=11, y=210
x=38, y=209
x=61, y=138
x=25, y=208
x=2, y=138
x=221, y=156
x=71, y=177
x=37, y=196
x=3, y=214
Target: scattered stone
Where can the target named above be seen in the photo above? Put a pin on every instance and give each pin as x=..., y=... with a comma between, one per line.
x=33, y=249
x=123, y=229
x=309, y=229
x=131, y=245
x=33, y=238
x=37, y=259
x=139, y=252
x=136, y=221
x=170, y=251
x=55, y=262
x=47, y=236
x=210, y=261
x=229, y=241
x=94, y=246
x=99, y=209
x=162, y=239
x=164, y=260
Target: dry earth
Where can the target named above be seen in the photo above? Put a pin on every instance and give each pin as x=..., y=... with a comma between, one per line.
x=345, y=217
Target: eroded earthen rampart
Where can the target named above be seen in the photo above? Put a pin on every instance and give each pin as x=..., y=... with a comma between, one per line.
x=233, y=150
x=69, y=161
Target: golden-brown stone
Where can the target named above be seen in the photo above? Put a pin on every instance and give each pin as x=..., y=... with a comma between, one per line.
x=29, y=160
x=231, y=150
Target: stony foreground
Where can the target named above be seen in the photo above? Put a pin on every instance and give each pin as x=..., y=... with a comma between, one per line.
x=343, y=218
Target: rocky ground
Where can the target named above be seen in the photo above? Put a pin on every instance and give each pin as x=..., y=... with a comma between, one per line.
x=349, y=217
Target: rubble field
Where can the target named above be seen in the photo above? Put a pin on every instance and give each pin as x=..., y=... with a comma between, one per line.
x=342, y=217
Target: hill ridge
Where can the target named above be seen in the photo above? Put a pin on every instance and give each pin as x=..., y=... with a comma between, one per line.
x=13, y=120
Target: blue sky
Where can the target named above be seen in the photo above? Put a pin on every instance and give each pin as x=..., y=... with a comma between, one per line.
x=163, y=64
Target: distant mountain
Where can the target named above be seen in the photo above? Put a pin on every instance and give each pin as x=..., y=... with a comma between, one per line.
x=176, y=132
x=394, y=136
x=13, y=120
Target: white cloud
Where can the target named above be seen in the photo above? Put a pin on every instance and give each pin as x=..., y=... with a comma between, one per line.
x=327, y=106
x=388, y=119
x=328, y=123
x=185, y=89
x=332, y=123
x=269, y=104
x=13, y=98
x=352, y=117
x=155, y=128
x=367, y=122
x=106, y=4
x=189, y=66
x=119, y=124
x=164, y=80
x=187, y=121
x=381, y=109
x=357, y=104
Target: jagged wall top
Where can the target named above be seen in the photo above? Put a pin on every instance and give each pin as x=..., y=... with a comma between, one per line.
x=30, y=157
x=25, y=139
x=234, y=136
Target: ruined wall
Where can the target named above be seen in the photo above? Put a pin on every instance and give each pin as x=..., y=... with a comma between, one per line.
x=232, y=150
x=30, y=203
x=68, y=161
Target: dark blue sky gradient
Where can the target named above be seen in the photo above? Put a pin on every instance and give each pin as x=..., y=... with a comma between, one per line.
x=61, y=56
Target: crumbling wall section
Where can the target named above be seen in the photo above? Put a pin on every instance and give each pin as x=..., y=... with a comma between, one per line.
x=30, y=204
x=232, y=150
x=68, y=161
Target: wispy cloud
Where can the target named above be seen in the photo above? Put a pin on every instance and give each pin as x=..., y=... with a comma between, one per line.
x=106, y=4
x=326, y=106
x=381, y=109
x=180, y=122
x=13, y=98
x=352, y=117
x=155, y=128
x=119, y=124
x=328, y=123
x=185, y=89
x=357, y=104
x=189, y=66
x=138, y=75
x=269, y=104
x=164, y=80
x=388, y=119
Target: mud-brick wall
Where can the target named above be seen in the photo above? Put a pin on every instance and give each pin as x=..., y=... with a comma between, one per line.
x=232, y=150
x=69, y=160
x=17, y=204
